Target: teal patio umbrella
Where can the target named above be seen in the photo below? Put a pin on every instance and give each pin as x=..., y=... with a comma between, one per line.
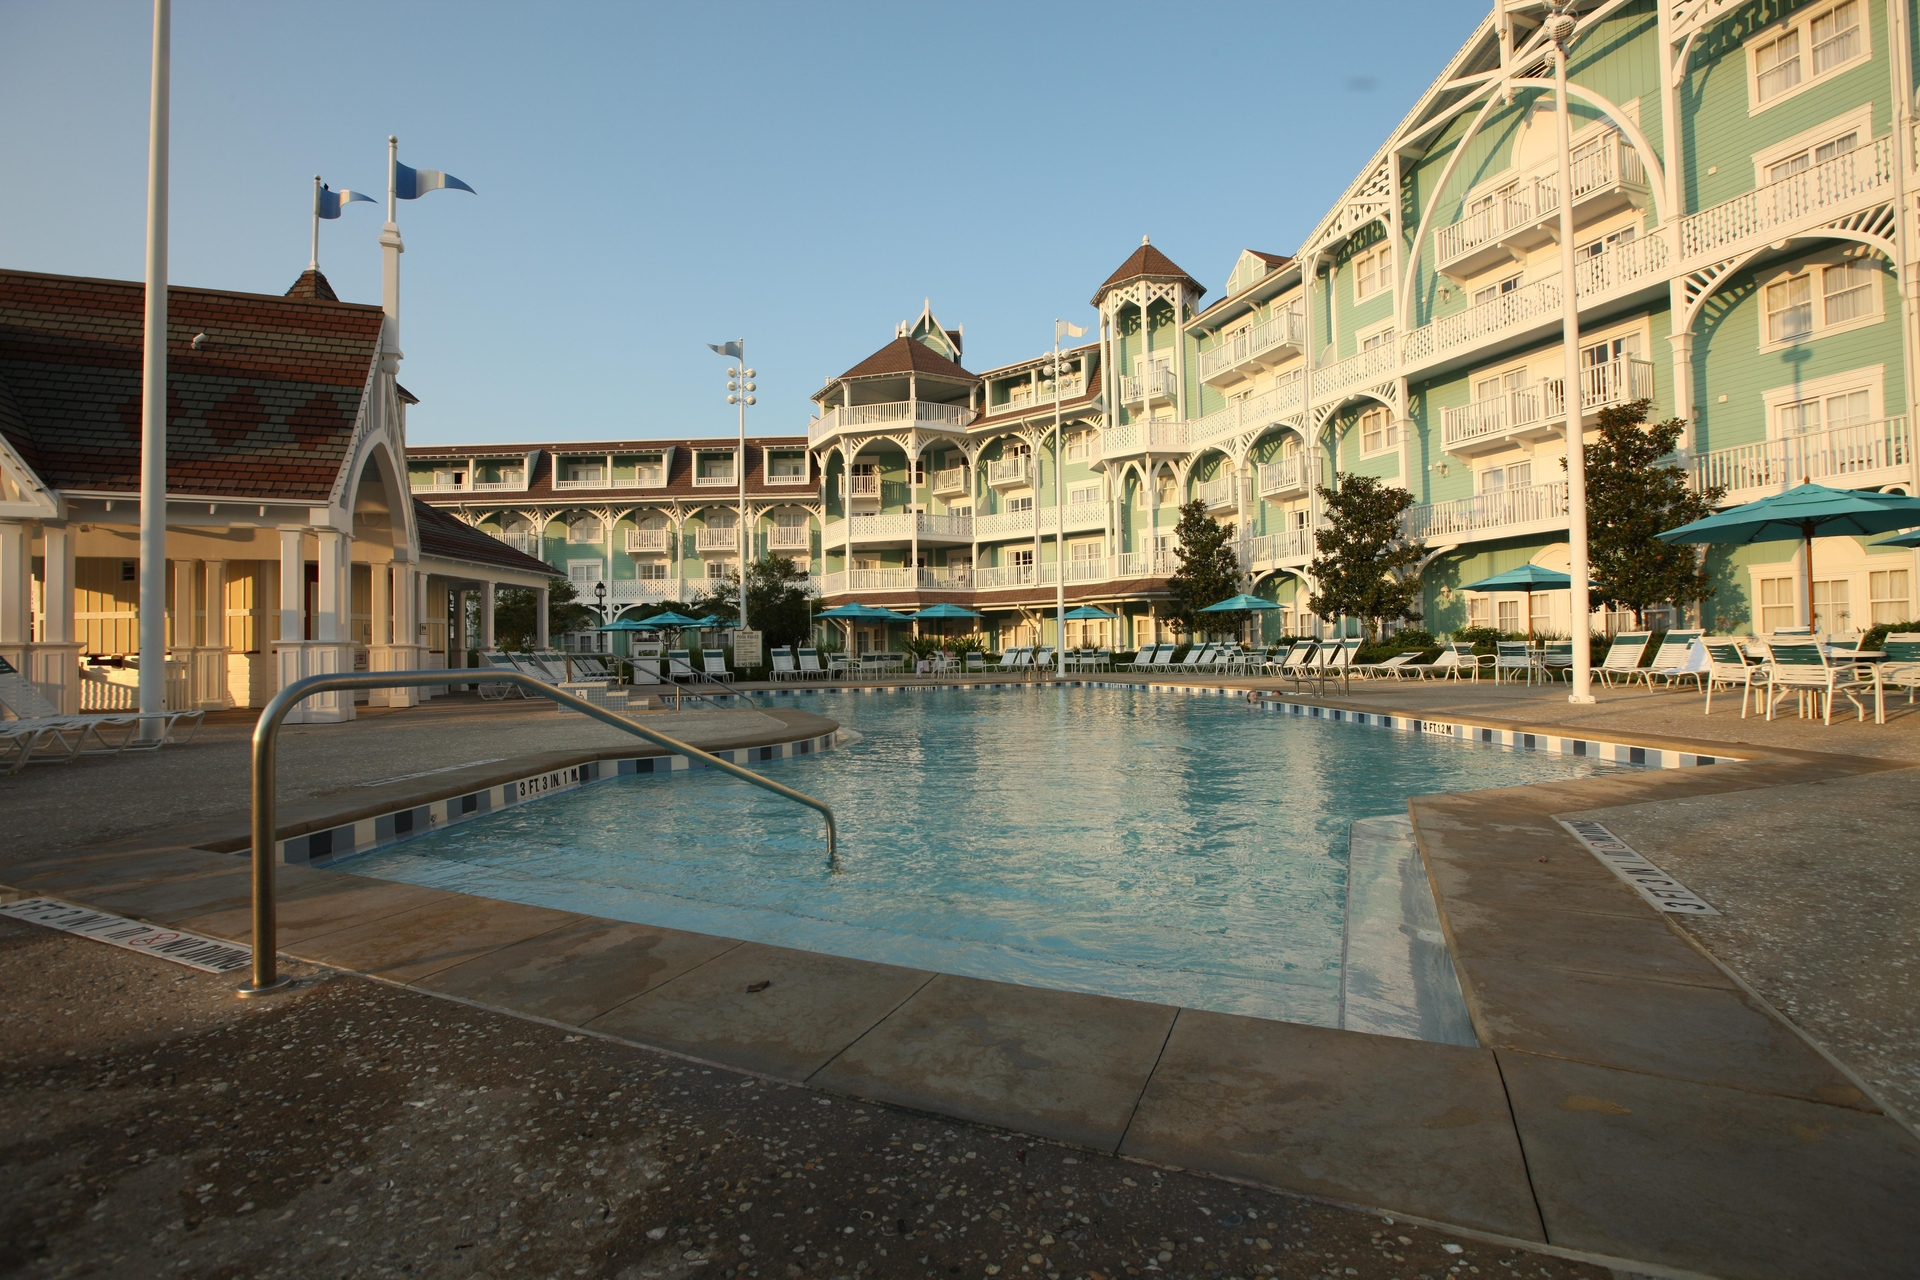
x=1805, y=512
x=1911, y=539
x=1239, y=604
x=628, y=624
x=1528, y=578
x=669, y=619
x=1088, y=613
x=946, y=611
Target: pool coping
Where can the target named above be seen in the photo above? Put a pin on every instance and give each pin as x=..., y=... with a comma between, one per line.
x=1633, y=1099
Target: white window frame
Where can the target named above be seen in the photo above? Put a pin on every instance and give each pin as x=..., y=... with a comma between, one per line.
x=1871, y=378
x=1083, y=493
x=732, y=479
x=586, y=572
x=1857, y=121
x=766, y=466
x=1814, y=267
x=1389, y=430
x=1374, y=267
x=1380, y=334
x=1802, y=23
x=599, y=531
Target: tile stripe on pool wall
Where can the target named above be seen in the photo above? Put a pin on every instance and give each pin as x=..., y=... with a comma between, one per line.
x=1516, y=739
x=319, y=848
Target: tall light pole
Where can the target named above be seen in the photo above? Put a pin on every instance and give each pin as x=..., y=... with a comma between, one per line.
x=740, y=392
x=1560, y=28
x=1054, y=370
x=153, y=397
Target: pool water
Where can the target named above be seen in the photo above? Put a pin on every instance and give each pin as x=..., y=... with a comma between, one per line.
x=1154, y=846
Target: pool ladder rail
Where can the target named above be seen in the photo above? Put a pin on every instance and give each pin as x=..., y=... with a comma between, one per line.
x=266, y=734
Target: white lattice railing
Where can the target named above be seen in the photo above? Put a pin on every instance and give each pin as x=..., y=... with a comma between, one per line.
x=1281, y=400
x=890, y=413
x=1356, y=370
x=1767, y=213
x=1856, y=455
x=1138, y=437
x=1521, y=505
x=643, y=590
x=896, y=526
x=1284, y=331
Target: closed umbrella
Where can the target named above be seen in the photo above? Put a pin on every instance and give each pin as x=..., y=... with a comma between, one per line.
x=1805, y=512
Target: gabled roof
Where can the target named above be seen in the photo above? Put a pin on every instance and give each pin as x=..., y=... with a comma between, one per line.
x=907, y=355
x=1147, y=263
x=263, y=407
x=445, y=538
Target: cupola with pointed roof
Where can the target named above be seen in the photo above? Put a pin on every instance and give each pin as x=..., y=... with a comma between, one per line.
x=921, y=363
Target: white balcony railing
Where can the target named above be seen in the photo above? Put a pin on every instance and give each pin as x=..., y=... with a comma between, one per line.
x=896, y=526
x=1272, y=548
x=522, y=540
x=788, y=475
x=593, y=480
x=725, y=539
x=1530, y=304
x=1283, y=476
x=1221, y=491
x=789, y=537
x=951, y=480
x=867, y=486
x=1599, y=166
x=654, y=540
x=1525, y=408
x=892, y=413
x=1621, y=266
x=1006, y=575
x=1139, y=437
x=715, y=478
x=1356, y=370
x=1010, y=470
x=1282, y=400
x=1262, y=343
x=1143, y=564
x=1028, y=398
x=1527, y=504
x=643, y=590
x=1848, y=457
x=1157, y=384
x=1763, y=215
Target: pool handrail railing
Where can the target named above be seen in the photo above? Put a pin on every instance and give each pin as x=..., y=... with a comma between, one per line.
x=266, y=735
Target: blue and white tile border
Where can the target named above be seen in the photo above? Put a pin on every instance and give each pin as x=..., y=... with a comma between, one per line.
x=1458, y=730
x=333, y=844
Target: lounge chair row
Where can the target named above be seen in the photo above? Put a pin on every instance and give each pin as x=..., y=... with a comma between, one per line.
x=40, y=733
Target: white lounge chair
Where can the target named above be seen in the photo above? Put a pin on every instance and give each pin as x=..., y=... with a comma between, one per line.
x=62, y=736
x=810, y=668
x=1391, y=667
x=783, y=668
x=1623, y=657
x=1669, y=658
x=714, y=663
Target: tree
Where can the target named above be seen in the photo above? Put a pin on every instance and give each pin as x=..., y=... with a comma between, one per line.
x=1209, y=572
x=513, y=614
x=778, y=592
x=1631, y=498
x=1365, y=568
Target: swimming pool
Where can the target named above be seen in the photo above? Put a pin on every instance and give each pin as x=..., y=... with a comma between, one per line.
x=1132, y=843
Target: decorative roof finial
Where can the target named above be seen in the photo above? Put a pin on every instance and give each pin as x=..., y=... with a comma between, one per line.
x=1144, y=240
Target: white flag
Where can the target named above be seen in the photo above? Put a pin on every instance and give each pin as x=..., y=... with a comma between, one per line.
x=1061, y=329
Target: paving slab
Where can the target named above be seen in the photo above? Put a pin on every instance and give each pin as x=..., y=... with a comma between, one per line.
x=812, y=1007
x=578, y=972
x=1059, y=1064
x=411, y=944
x=1621, y=946
x=311, y=903
x=1710, y=1035
x=1720, y=1181
x=98, y=872
x=1378, y=1120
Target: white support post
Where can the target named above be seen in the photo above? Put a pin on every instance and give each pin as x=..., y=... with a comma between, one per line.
x=540, y=640
x=488, y=592
x=1572, y=393
x=153, y=391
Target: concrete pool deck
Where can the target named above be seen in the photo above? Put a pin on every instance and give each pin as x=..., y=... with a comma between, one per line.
x=1633, y=1099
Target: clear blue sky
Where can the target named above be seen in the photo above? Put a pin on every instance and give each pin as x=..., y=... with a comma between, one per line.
x=654, y=177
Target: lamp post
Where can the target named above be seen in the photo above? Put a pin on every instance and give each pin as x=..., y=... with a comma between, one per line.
x=1053, y=369
x=600, y=603
x=1560, y=28
x=740, y=392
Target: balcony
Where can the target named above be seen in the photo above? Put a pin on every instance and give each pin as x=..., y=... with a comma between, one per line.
x=1862, y=456
x=1241, y=355
x=1143, y=564
x=522, y=540
x=1537, y=412
x=1028, y=398
x=725, y=539
x=1006, y=575
x=1361, y=369
x=710, y=477
x=1143, y=437
x=899, y=528
x=1285, y=478
x=1222, y=493
x=1010, y=473
x=892, y=414
x=1021, y=524
x=649, y=540
x=1523, y=214
x=1512, y=312
x=1290, y=546
x=1527, y=508
x=949, y=578
x=583, y=478
x=788, y=475
x=1155, y=387
x=1813, y=197
x=643, y=590
x=1278, y=403
x=790, y=537
x=950, y=483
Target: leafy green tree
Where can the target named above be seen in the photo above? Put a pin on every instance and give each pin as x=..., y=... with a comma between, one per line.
x=514, y=613
x=778, y=592
x=1631, y=498
x=1365, y=568
x=1208, y=572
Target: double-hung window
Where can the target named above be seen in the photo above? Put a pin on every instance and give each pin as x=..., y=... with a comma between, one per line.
x=1790, y=308
x=1378, y=431
x=1373, y=272
x=1836, y=36
x=1776, y=66
x=1083, y=493
x=1015, y=505
x=1889, y=595
x=585, y=529
x=1801, y=161
x=1830, y=412
x=1805, y=49
x=1493, y=291
x=1846, y=292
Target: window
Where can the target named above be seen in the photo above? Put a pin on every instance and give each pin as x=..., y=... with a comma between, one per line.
x=1847, y=291
x=650, y=469
x=1509, y=614
x=960, y=511
x=449, y=479
x=1020, y=504
x=1378, y=431
x=1606, y=243
x=1831, y=611
x=1477, y=611
x=584, y=529
x=866, y=562
x=787, y=468
x=583, y=572
x=1494, y=291
x=585, y=473
x=1373, y=341
x=1516, y=475
x=650, y=570
x=1084, y=493
x=1541, y=612
x=1889, y=596
x=1790, y=309
x=1084, y=551
x=1845, y=409
x=1021, y=559
x=1806, y=51
x=717, y=568
x=1801, y=161
x=1779, y=605
x=716, y=469
x=1079, y=445
x=1373, y=272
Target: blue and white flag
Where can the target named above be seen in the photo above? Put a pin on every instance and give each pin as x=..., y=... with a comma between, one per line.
x=328, y=203
x=726, y=348
x=411, y=184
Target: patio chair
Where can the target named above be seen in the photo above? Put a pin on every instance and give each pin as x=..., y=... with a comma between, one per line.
x=1801, y=667
x=840, y=666
x=1623, y=657
x=1556, y=657
x=1727, y=665
x=809, y=666
x=1669, y=658
x=1902, y=667
x=1103, y=659
x=101, y=733
x=1196, y=655
x=1297, y=653
x=1515, y=656
x=976, y=662
x=783, y=668
x=1456, y=657
x=679, y=665
x=1340, y=660
x=1391, y=667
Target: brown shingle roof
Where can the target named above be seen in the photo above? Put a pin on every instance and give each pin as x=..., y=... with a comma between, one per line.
x=907, y=355
x=1149, y=263
x=312, y=284
x=264, y=408
x=447, y=538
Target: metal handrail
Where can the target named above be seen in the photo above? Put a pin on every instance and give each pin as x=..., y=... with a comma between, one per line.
x=266, y=732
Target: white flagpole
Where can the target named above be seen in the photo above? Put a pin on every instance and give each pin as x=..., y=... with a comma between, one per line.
x=740, y=466
x=313, y=263
x=153, y=398
x=1561, y=26
x=1059, y=527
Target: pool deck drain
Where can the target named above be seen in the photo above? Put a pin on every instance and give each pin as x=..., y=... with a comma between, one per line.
x=1634, y=1099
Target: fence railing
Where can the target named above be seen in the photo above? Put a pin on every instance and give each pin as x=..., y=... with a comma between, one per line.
x=1010, y=470
x=1156, y=385
x=1598, y=165
x=1284, y=475
x=1283, y=399
x=848, y=416
x=1613, y=382
x=1278, y=333
x=1846, y=454
x=1812, y=195
x=1520, y=505
x=1366, y=366
x=1528, y=305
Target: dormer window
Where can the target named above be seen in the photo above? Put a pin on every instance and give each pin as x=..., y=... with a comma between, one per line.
x=713, y=469
x=787, y=468
x=585, y=473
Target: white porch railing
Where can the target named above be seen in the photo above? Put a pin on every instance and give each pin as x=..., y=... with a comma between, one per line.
x=1614, y=382
x=1221, y=491
x=1028, y=398
x=648, y=539
x=643, y=590
x=864, y=486
x=1005, y=575
x=1619, y=266
x=1765, y=214
x=1271, y=548
x=890, y=413
x=950, y=480
x=1010, y=470
x=1867, y=453
x=1355, y=370
x=1528, y=305
x=1143, y=564
x=715, y=479
x=1138, y=437
x=727, y=539
x=1282, y=476
x=897, y=526
x=1157, y=384
x=1529, y=504
x=1282, y=400
x=789, y=537
x=1598, y=165
x=1282, y=332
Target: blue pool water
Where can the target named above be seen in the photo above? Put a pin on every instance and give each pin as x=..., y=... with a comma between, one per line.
x=1155, y=846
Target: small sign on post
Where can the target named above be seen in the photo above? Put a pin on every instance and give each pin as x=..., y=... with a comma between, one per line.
x=746, y=649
